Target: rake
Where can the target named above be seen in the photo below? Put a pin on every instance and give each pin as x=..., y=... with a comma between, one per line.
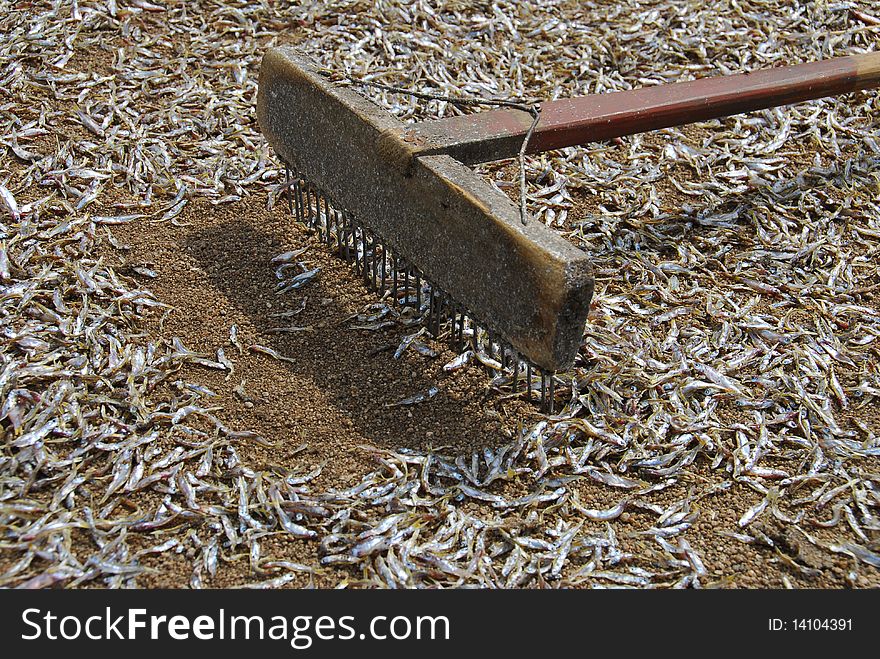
x=400, y=201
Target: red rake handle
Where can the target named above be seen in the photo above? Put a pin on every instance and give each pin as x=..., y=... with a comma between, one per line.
x=498, y=134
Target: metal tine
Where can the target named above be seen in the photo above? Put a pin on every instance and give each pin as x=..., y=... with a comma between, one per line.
x=449, y=316
x=330, y=214
x=294, y=191
x=316, y=214
x=352, y=235
x=453, y=333
x=438, y=310
x=303, y=203
x=327, y=215
x=373, y=265
x=393, y=274
x=383, y=267
x=294, y=186
x=365, y=270
x=529, y=379
x=316, y=219
x=368, y=256
x=486, y=347
x=359, y=254
x=429, y=320
x=369, y=252
x=343, y=222
x=453, y=315
x=443, y=315
x=316, y=197
x=317, y=223
x=447, y=320
x=441, y=304
x=415, y=284
x=323, y=219
x=297, y=188
x=346, y=235
x=356, y=245
x=349, y=238
x=402, y=283
x=373, y=245
x=353, y=240
x=289, y=189
x=326, y=219
x=362, y=249
x=461, y=319
x=440, y=300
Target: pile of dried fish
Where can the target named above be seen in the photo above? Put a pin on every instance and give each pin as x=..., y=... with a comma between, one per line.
x=733, y=345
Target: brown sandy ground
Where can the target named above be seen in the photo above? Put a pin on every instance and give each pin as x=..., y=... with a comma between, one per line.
x=326, y=406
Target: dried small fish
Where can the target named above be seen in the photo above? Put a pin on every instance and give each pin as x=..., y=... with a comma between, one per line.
x=10, y=203
x=752, y=513
x=269, y=352
x=116, y=219
x=858, y=551
x=298, y=281
x=406, y=342
x=750, y=352
x=289, y=257
x=459, y=362
x=233, y=338
x=417, y=398
x=602, y=515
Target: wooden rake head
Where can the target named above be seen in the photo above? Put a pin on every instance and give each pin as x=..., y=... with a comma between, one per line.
x=525, y=282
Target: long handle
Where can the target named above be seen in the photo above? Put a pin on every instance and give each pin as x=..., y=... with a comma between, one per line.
x=498, y=134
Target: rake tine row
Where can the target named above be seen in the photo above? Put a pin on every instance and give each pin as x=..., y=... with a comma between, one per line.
x=385, y=272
